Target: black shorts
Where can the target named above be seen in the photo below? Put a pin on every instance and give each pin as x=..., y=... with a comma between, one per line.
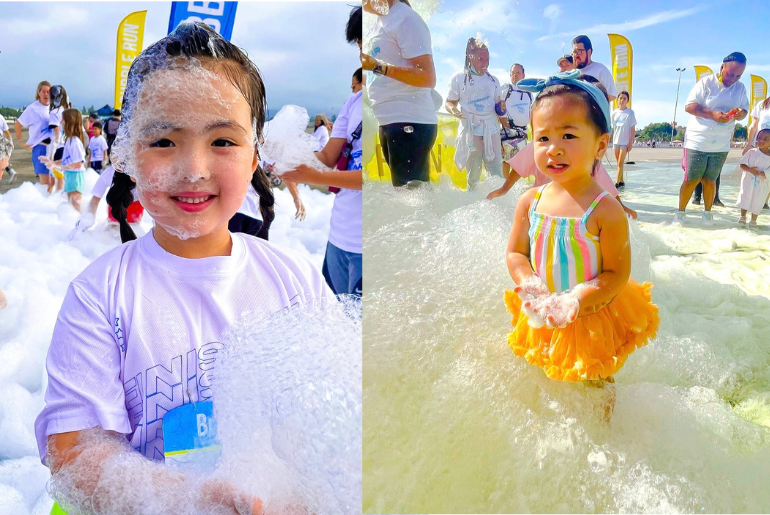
x=406, y=147
x=96, y=165
x=58, y=154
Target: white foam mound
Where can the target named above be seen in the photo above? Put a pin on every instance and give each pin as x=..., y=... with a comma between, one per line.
x=288, y=407
x=287, y=143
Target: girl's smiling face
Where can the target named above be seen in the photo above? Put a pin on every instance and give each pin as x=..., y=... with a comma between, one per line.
x=566, y=143
x=194, y=154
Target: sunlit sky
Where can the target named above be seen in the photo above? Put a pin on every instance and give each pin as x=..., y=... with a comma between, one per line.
x=664, y=35
x=299, y=47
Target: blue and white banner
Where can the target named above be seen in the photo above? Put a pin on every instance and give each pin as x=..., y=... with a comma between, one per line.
x=220, y=16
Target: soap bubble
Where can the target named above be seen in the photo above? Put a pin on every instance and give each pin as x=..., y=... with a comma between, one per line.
x=287, y=143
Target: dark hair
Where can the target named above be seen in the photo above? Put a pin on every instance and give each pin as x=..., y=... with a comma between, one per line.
x=93, y=115
x=517, y=64
x=565, y=56
x=628, y=97
x=359, y=75
x=595, y=114
x=472, y=45
x=738, y=57
x=353, y=28
x=763, y=131
x=116, y=112
x=198, y=40
x=583, y=39
x=98, y=125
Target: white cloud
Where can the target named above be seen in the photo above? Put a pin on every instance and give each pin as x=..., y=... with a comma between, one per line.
x=648, y=21
x=552, y=11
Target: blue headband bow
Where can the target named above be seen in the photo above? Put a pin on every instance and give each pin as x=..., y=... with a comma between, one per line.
x=570, y=77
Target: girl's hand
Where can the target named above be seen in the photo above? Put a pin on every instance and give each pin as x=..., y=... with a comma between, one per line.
x=630, y=212
x=495, y=194
x=300, y=214
x=47, y=162
x=217, y=492
x=25, y=146
x=558, y=310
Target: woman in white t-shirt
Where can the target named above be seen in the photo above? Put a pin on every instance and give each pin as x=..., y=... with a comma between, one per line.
x=398, y=52
x=478, y=95
x=623, y=133
x=36, y=117
x=321, y=132
x=163, y=304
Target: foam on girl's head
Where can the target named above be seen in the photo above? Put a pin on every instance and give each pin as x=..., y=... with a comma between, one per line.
x=6, y=146
x=182, y=81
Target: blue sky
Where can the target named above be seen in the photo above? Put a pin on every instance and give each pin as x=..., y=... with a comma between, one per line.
x=299, y=47
x=664, y=35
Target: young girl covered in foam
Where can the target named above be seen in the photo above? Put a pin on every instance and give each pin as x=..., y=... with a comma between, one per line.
x=754, y=183
x=139, y=330
x=576, y=313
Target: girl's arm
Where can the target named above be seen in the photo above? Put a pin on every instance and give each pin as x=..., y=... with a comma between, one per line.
x=349, y=179
x=419, y=71
x=631, y=138
x=451, y=107
x=752, y=171
x=517, y=253
x=330, y=154
x=87, y=466
x=292, y=186
x=510, y=180
x=616, y=259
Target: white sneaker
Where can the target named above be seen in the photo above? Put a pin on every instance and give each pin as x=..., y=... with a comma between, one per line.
x=11, y=175
x=708, y=218
x=678, y=220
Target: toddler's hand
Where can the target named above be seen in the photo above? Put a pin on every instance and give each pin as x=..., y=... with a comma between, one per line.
x=558, y=310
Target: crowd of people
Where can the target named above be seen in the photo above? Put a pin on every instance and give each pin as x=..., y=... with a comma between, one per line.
x=493, y=119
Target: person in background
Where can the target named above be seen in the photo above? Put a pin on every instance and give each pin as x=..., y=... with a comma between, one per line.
x=59, y=102
x=565, y=63
x=89, y=127
x=473, y=98
x=111, y=128
x=518, y=105
x=7, y=166
x=760, y=120
x=398, y=53
x=321, y=132
x=582, y=51
x=358, y=81
x=623, y=134
x=714, y=104
x=97, y=147
x=36, y=116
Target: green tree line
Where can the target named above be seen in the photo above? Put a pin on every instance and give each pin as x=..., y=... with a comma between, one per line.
x=662, y=132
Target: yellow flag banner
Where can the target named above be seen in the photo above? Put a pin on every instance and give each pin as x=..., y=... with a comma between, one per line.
x=130, y=37
x=701, y=71
x=622, y=64
x=758, y=93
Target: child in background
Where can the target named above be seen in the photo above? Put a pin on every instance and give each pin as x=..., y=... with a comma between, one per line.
x=623, y=133
x=754, y=184
x=59, y=102
x=6, y=148
x=73, y=157
x=98, y=149
x=93, y=117
x=161, y=304
x=576, y=313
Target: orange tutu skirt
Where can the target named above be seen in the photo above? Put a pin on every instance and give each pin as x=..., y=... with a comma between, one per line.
x=592, y=347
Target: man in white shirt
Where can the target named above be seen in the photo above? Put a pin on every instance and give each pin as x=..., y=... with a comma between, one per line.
x=714, y=104
x=581, y=55
x=518, y=106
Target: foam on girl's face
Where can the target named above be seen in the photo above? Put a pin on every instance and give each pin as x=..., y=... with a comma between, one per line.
x=190, y=131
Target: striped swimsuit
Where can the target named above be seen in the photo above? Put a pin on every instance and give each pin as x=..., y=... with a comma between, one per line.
x=562, y=251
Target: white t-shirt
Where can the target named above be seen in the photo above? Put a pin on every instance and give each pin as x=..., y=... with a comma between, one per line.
x=704, y=134
x=321, y=134
x=36, y=117
x=54, y=118
x=139, y=328
x=763, y=117
x=395, y=38
x=518, y=105
x=346, y=227
x=477, y=93
x=754, y=158
x=603, y=74
x=74, y=152
x=3, y=124
x=622, y=120
x=97, y=146
x=104, y=182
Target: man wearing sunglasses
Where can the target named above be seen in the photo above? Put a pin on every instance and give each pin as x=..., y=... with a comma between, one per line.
x=581, y=55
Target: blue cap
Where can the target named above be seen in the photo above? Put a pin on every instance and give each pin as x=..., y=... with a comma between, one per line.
x=570, y=77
